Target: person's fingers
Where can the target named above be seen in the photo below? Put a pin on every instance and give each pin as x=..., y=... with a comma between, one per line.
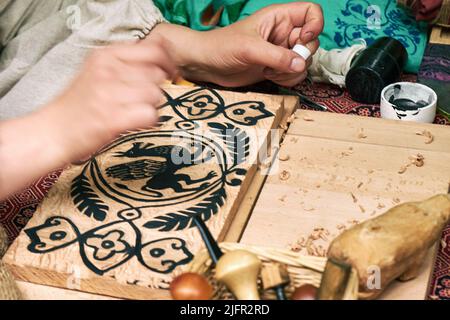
x=294, y=36
x=273, y=72
x=146, y=93
x=266, y=54
x=146, y=53
x=286, y=80
x=311, y=22
x=135, y=73
x=306, y=15
x=138, y=116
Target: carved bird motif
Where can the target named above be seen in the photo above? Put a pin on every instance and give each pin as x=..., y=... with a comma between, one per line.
x=161, y=174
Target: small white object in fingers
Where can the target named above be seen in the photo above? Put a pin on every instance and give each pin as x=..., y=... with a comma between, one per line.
x=302, y=51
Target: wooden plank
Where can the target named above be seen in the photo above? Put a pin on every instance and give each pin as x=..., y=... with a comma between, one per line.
x=240, y=221
x=335, y=180
x=31, y=291
x=440, y=35
x=120, y=224
x=376, y=131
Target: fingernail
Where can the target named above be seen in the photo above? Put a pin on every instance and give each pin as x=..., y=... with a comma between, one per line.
x=307, y=37
x=297, y=65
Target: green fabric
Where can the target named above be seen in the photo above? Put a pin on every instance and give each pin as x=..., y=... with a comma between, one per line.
x=346, y=21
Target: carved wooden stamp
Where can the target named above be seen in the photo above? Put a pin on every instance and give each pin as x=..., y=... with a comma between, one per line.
x=121, y=224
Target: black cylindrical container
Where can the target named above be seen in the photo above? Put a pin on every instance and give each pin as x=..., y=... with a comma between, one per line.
x=376, y=67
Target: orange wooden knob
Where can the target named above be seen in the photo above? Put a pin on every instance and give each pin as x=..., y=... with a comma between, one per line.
x=191, y=286
x=305, y=292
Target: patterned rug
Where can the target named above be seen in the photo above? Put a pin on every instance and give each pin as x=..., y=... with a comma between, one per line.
x=16, y=211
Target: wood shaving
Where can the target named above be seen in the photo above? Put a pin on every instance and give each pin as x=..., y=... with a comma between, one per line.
x=308, y=119
x=284, y=157
x=370, y=171
x=396, y=200
x=353, y=222
x=443, y=244
x=363, y=210
x=417, y=160
x=282, y=198
x=427, y=134
x=291, y=118
x=284, y=175
x=346, y=153
x=355, y=200
x=380, y=206
x=403, y=169
x=308, y=243
x=361, y=134
x=341, y=227
x=360, y=185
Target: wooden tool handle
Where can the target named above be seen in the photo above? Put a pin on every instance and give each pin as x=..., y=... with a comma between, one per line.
x=239, y=271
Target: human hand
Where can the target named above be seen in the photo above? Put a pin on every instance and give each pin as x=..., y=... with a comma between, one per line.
x=117, y=90
x=251, y=50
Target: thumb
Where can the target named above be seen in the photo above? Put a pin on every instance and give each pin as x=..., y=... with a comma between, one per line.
x=271, y=56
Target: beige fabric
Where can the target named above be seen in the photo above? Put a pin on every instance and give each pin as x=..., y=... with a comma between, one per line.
x=332, y=66
x=8, y=287
x=45, y=42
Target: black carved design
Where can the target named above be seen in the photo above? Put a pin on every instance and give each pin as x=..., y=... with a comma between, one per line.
x=148, y=170
x=105, y=248
x=184, y=218
x=86, y=200
x=204, y=103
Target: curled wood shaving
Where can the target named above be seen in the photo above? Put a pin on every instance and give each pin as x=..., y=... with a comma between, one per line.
x=361, y=134
x=284, y=157
x=284, y=175
x=308, y=243
x=308, y=119
x=417, y=160
x=396, y=200
x=402, y=169
x=427, y=134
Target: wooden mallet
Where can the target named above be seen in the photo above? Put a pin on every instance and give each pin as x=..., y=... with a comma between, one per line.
x=238, y=269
